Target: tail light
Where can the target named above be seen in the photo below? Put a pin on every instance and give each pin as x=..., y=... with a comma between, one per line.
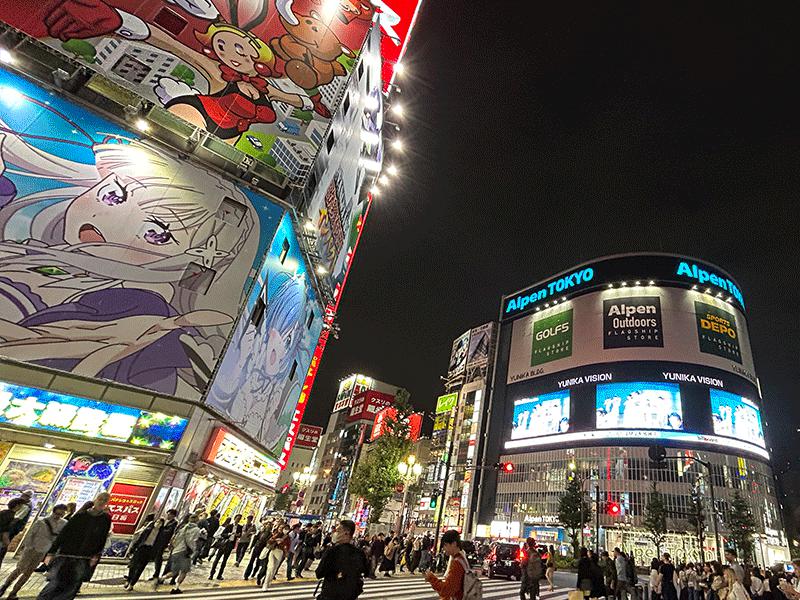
x=521, y=555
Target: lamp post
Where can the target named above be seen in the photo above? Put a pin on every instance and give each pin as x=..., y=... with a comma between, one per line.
x=304, y=479
x=409, y=470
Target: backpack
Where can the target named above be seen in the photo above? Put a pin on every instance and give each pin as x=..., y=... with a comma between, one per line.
x=533, y=568
x=630, y=571
x=472, y=586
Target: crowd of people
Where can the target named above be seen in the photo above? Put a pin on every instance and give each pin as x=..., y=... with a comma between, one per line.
x=615, y=577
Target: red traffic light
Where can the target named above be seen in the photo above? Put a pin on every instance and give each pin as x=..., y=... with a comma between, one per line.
x=613, y=509
x=507, y=467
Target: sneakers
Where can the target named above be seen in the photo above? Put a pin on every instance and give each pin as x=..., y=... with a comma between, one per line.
x=176, y=591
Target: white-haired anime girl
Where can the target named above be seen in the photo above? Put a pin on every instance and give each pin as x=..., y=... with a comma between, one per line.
x=130, y=269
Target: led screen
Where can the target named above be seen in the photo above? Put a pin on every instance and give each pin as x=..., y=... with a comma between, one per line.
x=543, y=415
x=737, y=417
x=639, y=405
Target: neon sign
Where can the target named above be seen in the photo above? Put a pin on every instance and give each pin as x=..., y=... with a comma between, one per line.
x=34, y=408
x=692, y=271
x=229, y=452
x=547, y=290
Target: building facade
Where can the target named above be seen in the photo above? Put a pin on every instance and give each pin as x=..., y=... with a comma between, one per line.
x=601, y=362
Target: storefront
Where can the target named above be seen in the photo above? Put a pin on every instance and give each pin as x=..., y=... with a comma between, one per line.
x=235, y=478
x=66, y=449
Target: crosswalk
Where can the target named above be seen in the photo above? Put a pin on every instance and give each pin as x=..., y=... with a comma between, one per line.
x=405, y=588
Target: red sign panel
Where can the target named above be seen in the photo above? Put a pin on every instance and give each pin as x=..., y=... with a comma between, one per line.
x=381, y=418
x=367, y=404
x=414, y=426
x=126, y=506
x=397, y=17
x=308, y=436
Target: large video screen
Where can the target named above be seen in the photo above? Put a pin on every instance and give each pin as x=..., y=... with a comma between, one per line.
x=737, y=417
x=543, y=415
x=639, y=405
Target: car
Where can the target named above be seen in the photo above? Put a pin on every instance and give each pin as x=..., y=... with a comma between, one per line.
x=473, y=558
x=504, y=560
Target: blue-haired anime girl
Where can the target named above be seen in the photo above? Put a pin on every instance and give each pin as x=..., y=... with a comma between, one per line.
x=124, y=268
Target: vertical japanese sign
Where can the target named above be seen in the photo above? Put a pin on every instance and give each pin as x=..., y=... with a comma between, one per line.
x=126, y=506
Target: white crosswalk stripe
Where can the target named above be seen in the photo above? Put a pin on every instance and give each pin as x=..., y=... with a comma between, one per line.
x=415, y=588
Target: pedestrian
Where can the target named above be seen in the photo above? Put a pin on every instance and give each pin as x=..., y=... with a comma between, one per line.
x=8, y=525
x=736, y=591
x=623, y=581
x=246, y=537
x=584, y=582
x=343, y=566
x=211, y=525
x=757, y=584
x=141, y=549
x=183, y=546
x=408, y=550
x=376, y=551
x=226, y=540
x=733, y=563
x=427, y=545
x=312, y=539
x=719, y=589
x=416, y=553
x=294, y=549
x=162, y=540
x=278, y=547
x=550, y=566
x=609, y=570
x=38, y=541
x=387, y=560
x=76, y=550
x=655, y=582
x=453, y=584
x=532, y=571
x=259, y=542
x=666, y=578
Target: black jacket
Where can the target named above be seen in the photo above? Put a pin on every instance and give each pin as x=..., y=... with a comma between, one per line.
x=342, y=569
x=165, y=534
x=84, y=534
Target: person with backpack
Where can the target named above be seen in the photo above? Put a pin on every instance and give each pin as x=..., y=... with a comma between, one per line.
x=460, y=582
x=532, y=571
x=343, y=566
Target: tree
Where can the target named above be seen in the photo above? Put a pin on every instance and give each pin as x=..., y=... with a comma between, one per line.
x=741, y=525
x=80, y=49
x=184, y=73
x=376, y=476
x=305, y=116
x=283, y=500
x=655, y=519
x=574, y=510
x=697, y=518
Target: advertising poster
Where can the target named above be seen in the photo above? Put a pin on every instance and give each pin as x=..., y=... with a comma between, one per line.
x=263, y=75
x=716, y=332
x=632, y=322
x=543, y=415
x=479, y=341
x=458, y=354
x=616, y=325
x=639, y=405
x=126, y=505
x=229, y=452
x=446, y=403
x=552, y=338
x=98, y=227
x=367, y=404
x=736, y=417
x=259, y=379
x=308, y=436
x=345, y=394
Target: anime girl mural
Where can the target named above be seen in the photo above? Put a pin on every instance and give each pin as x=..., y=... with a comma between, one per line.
x=259, y=380
x=117, y=259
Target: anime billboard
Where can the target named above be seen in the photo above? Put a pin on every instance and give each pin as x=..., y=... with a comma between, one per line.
x=261, y=375
x=263, y=75
x=118, y=260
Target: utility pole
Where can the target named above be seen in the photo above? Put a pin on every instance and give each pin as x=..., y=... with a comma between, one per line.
x=597, y=519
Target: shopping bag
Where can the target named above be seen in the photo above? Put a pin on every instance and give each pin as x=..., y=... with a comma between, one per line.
x=575, y=595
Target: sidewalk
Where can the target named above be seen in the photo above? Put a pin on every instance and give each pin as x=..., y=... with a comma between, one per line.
x=109, y=579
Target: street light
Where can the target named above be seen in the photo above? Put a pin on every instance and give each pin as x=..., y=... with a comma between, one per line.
x=409, y=470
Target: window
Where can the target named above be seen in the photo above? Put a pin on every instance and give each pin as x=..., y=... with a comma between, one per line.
x=170, y=21
x=197, y=278
x=231, y=211
x=293, y=371
x=130, y=69
x=257, y=316
x=330, y=142
x=310, y=321
x=346, y=104
x=361, y=70
x=284, y=251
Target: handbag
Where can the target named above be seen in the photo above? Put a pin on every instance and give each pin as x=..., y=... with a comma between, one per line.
x=575, y=595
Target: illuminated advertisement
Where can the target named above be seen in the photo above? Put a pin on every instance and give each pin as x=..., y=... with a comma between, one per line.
x=458, y=354
x=639, y=406
x=716, y=331
x=396, y=18
x=632, y=321
x=446, y=403
x=736, y=417
x=126, y=505
x=389, y=414
x=479, y=341
x=543, y=415
x=33, y=408
x=308, y=436
x=229, y=452
x=260, y=377
x=102, y=229
x=263, y=75
x=367, y=404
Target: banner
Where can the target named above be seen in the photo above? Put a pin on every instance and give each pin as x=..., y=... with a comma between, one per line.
x=126, y=505
x=552, y=338
x=716, y=332
x=480, y=340
x=458, y=354
x=446, y=403
x=308, y=436
x=632, y=322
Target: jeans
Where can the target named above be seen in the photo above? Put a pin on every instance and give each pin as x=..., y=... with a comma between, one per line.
x=158, y=558
x=528, y=587
x=223, y=552
x=141, y=556
x=241, y=550
x=66, y=576
x=623, y=590
x=252, y=564
x=290, y=558
x=425, y=560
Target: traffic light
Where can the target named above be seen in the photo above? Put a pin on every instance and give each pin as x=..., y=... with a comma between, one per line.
x=506, y=467
x=613, y=509
x=434, y=499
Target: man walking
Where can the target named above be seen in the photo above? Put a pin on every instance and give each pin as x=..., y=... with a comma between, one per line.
x=76, y=550
x=343, y=566
x=294, y=549
x=163, y=539
x=243, y=543
x=210, y=524
x=532, y=571
x=180, y=559
x=733, y=563
x=41, y=536
x=623, y=579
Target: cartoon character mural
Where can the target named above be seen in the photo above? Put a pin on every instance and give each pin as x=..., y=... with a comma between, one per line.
x=259, y=379
x=118, y=260
x=270, y=69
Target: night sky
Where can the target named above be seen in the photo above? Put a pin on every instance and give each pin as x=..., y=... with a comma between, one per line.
x=538, y=141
